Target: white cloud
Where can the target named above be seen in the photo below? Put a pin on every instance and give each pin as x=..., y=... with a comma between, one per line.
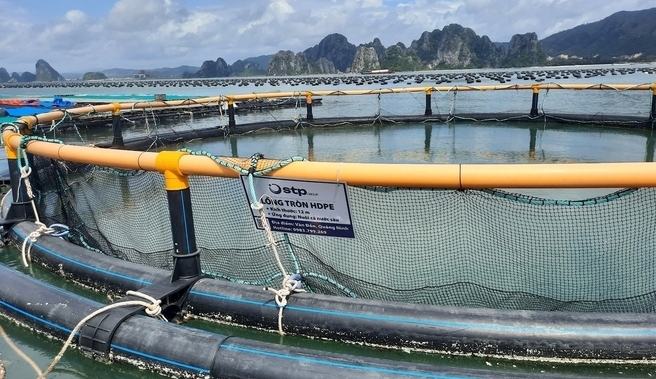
x=76, y=16
x=370, y=3
x=281, y=9
x=156, y=33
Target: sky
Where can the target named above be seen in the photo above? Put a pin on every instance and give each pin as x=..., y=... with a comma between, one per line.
x=92, y=35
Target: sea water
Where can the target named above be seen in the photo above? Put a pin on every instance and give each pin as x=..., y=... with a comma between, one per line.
x=432, y=142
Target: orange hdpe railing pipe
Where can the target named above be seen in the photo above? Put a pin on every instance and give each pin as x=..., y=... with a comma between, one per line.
x=453, y=176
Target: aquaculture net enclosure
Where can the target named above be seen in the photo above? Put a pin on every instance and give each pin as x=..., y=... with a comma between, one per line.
x=478, y=248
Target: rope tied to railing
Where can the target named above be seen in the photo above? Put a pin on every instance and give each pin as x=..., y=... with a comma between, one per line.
x=290, y=283
x=67, y=115
x=377, y=114
x=56, y=230
x=241, y=170
x=297, y=118
x=452, y=107
x=256, y=205
x=8, y=125
x=294, y=279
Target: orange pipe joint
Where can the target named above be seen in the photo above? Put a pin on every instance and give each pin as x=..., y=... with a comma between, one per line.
x=12, y=152
x=28, y=123
x=168, y=163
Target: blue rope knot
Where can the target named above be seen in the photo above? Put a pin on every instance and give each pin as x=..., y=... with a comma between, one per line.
x=251, y=170
x=295, y=281
x=60, y=230
x=254, y=159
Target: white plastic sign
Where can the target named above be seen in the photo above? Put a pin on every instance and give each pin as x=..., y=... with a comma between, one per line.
x=303, y=207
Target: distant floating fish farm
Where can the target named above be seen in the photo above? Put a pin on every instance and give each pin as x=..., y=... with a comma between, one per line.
x=431, y=78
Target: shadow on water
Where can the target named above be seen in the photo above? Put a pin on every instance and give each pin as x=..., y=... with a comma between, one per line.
x=649, y=150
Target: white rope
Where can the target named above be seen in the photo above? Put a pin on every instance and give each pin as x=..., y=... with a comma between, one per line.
x=31, y=238
x=378, y=107
x=147, y=124
x=224, y=121
x=452, y=111
x=152, y=113
x=20, y=353
x=269, y=234
x=297, y=116
x=544, y=99
x=153, y=309
x=127, y=119
x=5, y=209
x=42, y=228
x=290, y=283
x=25, y=173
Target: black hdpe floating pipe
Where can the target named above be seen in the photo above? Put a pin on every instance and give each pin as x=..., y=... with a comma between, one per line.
x=170, y=348
x=601, y=336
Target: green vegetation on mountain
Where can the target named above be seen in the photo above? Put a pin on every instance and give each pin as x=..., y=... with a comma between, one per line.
x=398, y=59
x=622, y=36
x=94, y=76
x=45, y=73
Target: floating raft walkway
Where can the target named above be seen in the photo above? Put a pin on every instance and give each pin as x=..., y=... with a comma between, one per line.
x=96, y=118
x=229, y=106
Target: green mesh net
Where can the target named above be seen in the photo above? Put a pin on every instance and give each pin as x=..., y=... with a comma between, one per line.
x=479, y=248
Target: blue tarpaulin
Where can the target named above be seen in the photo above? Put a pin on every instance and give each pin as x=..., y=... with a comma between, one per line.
x=57, y=102
x=25, y=111
x=43, y=106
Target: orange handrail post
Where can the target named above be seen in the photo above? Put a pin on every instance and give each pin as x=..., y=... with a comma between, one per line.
x=186, y=255
x=231, y=113
x=308, y=105
x=429, y=110
x=117, y=142
x=534, y=104
x=652, y=114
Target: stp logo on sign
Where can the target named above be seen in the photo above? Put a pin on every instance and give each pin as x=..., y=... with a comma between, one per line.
x=276, y=190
